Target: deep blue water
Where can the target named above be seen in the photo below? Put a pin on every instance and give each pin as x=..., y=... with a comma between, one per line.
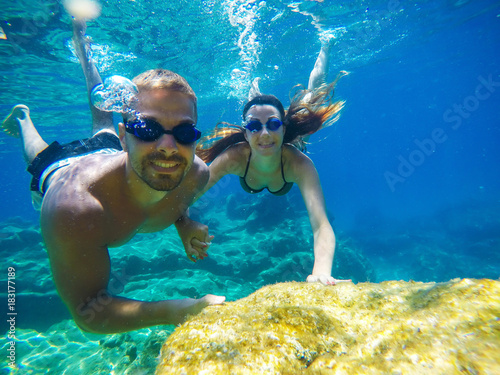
x=407, y=71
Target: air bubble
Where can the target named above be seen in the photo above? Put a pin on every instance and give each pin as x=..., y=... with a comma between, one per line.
x=115, y=94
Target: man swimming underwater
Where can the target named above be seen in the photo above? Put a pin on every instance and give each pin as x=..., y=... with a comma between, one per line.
x=99, y=192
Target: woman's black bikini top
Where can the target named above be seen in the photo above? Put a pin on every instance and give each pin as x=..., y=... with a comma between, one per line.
x=285, y=189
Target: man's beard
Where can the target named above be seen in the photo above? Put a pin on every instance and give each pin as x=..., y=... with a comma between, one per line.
x=162, y=181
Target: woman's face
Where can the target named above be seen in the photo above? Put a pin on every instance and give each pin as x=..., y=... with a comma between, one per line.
x=265, y=141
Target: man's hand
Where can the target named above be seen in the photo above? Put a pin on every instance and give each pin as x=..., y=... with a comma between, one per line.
x=325, y=279
x=194, y=237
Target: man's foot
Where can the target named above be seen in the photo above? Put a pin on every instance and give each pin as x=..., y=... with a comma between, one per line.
x=10, y=124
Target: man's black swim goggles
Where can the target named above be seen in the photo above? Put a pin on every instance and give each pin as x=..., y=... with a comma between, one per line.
x=149, y=130
x=255, y=126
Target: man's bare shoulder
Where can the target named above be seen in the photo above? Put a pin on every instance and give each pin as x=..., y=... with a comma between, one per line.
x=69, y=196
x=198, y=175
x=199, y=167
x=72, y=189
x=69, y=221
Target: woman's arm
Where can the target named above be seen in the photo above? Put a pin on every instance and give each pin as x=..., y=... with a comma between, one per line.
x=305, y=175
x=231, y=161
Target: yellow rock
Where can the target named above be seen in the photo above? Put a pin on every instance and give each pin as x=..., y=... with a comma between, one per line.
x=393, y=327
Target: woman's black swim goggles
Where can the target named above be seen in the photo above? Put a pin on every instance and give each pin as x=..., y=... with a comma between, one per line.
x=149, y=130
x=255, y=126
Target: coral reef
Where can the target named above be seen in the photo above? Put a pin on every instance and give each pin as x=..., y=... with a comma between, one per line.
x=394, y=327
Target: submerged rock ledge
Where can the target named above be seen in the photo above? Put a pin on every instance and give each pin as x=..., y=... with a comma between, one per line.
x=393, y=327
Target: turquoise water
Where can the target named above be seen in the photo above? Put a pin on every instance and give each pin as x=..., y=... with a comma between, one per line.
x=410, y=172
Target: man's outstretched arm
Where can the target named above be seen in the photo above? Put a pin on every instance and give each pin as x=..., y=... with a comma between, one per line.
x=81, y=269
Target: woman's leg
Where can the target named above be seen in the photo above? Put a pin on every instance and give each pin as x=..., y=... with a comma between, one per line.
x=254, y=89
x=320, y=71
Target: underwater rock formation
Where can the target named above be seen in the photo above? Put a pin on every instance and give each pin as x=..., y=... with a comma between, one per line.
x=394, y=327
